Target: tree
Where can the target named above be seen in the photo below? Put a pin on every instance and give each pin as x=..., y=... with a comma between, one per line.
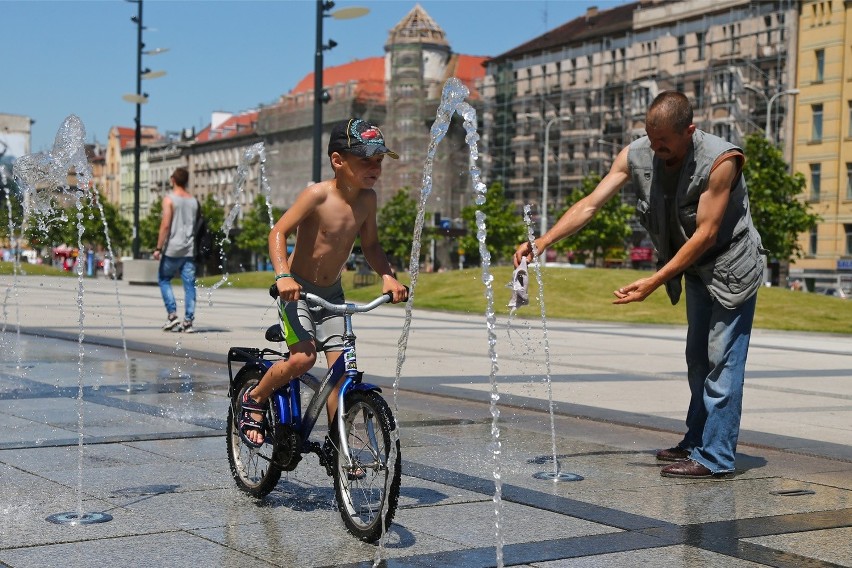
x=504, y=227
x=149, y=226
x=254, y=227
x=93, y=225
x=396, y=227
x=778, y=213
x=609, y=228
x=60, y=225
x=215, y=215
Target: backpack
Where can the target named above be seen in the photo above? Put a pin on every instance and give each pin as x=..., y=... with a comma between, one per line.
x=203, y=237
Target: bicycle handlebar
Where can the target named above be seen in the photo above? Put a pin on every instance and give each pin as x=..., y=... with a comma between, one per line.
x=338, y=308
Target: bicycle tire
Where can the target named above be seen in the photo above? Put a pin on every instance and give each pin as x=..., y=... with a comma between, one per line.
x=368, y=425
x=254, y=470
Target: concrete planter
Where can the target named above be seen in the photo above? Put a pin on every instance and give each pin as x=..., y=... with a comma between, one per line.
x=141, y=271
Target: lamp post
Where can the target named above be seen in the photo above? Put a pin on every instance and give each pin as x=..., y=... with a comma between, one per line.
x=320, y=95
x=769, y=110
x=139, y=99
x=767, y=130
x=550, y=123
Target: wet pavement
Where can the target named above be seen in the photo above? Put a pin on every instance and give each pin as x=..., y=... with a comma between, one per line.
x=153, y=445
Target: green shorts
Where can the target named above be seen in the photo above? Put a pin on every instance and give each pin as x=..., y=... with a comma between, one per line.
x=301, y=322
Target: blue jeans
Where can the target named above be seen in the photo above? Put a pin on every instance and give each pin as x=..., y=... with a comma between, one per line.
x=716, y=350
x=169, y=267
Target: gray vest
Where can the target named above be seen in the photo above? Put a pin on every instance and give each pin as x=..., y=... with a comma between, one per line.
x=733, y=269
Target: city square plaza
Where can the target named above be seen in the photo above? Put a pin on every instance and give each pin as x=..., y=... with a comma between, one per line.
x=154, y=417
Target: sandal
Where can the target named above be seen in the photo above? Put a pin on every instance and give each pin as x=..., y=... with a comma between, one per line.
x=248, y=405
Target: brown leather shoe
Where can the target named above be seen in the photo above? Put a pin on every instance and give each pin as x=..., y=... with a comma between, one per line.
x=690, y=469
x=675, y=454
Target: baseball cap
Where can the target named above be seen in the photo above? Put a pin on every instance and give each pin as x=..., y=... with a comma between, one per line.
x=358, y=137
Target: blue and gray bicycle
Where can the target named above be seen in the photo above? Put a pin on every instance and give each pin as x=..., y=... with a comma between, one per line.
x=359, y=447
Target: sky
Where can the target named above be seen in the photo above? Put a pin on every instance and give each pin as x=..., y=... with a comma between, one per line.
x=79, y=57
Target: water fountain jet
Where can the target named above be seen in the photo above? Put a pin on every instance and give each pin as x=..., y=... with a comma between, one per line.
x=39, y=176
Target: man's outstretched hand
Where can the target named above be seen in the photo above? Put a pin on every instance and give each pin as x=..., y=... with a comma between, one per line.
x=636, y=291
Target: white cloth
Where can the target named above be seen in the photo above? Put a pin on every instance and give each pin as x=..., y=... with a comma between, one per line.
x=520, y=286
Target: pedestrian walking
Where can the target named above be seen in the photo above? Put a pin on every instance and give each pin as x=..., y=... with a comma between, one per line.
x=175, y=251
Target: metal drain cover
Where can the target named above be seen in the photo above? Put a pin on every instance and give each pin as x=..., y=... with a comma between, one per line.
x=561, y=476
x=74, y=519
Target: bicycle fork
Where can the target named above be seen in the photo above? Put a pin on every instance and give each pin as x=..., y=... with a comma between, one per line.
x=352, y=381
x=350, y=376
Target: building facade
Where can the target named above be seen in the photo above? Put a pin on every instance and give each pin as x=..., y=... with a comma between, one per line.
x=552, y=111
x=215, y=156
x=400, y=92
x=823, y=138
x=586, y=85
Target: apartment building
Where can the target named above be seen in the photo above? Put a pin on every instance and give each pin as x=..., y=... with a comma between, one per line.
x=823, y=137
x=584, y=87
x=216, y=156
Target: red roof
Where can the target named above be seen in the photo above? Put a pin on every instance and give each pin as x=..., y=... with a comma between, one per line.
x=470, y=69
x=126, y=136
x=236, y=125
x=369, y=74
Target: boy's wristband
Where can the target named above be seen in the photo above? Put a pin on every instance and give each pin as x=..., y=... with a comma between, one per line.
x=282, y=275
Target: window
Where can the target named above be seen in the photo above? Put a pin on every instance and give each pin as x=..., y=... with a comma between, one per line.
x=847, y=228
x=699, y=40
x=849, y=111
x=681, y=49
x=816, y=132
x=698, y=93
x=816, y=179
x=848, y=180
x=812, y=242
x=723, y=86
x=722, y=130
x=820, y=65
x=641, y=98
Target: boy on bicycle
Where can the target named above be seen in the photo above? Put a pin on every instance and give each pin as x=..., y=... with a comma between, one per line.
x=326, y=218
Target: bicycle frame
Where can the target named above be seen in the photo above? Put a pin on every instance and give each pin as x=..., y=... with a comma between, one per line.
x=286, y=401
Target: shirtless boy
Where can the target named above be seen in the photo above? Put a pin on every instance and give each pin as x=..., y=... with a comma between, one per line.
x=326, y=218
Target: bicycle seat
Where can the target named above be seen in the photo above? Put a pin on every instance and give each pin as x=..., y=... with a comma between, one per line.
x=274, y=333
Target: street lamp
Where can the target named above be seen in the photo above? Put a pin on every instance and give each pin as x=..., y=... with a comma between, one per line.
x=769, y=109
x=320, y=95
x=544, y=170
x=767, y=130
x=139, y=99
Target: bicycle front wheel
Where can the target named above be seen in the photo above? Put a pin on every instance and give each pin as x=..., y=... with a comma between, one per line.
x=254, y=470
x=367, y=490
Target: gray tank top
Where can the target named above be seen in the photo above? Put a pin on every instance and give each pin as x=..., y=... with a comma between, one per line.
x=181, y=238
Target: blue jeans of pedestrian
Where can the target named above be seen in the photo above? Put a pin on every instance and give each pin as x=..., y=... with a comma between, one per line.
x=170, y=266
x=716, y=349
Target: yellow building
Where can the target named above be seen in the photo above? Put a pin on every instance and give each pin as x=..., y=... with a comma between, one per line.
x=823, y=137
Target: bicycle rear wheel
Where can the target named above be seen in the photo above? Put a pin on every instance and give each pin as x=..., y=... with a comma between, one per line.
x=368, y=490
x=253, y=469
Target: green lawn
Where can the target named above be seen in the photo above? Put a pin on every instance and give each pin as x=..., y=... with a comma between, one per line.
x=586, y=294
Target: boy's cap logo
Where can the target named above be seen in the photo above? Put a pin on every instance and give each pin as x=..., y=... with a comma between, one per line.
x=358, y=137
x=371, y=135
